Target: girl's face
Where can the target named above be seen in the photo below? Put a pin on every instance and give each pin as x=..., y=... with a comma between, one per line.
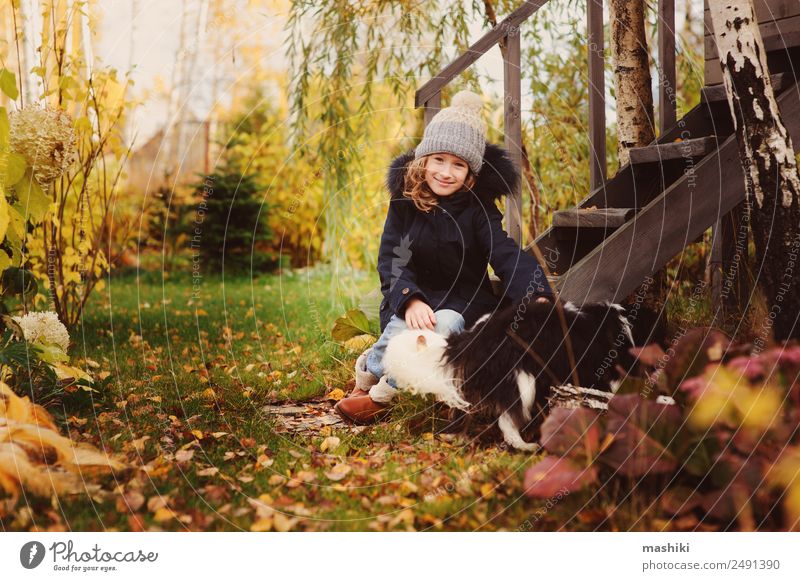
x=445, y=173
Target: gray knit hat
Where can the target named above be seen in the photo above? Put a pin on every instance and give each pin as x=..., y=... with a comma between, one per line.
x=457, y=129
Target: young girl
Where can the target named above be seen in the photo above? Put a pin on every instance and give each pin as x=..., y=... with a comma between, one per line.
x=442, y=230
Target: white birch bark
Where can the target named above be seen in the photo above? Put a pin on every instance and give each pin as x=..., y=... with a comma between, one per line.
x=173, y=102
x=632, y=78
x=740, y=47
x=31, y=38
x=768, y=160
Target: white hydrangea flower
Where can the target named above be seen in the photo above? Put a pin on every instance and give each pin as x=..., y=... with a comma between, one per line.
x=44, y=136
x=46, y=326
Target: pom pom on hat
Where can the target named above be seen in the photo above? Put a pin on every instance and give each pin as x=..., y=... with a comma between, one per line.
x=458, y=130
x=468, y=100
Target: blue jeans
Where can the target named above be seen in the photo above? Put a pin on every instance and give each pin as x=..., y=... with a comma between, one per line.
x=447, y=321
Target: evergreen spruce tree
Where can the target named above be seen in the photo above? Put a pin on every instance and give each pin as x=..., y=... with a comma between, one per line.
x=228, y=230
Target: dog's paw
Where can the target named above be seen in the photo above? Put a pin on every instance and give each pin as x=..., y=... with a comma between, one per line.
x=525, y=446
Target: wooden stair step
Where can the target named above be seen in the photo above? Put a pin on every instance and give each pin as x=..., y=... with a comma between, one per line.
x=592, y=217
x=716, y=93
x=497, y=285
x=689, y=148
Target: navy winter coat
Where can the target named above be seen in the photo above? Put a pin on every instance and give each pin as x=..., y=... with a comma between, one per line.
x=441, y=256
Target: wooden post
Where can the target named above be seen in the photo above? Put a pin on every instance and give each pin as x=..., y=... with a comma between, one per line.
x=597, y=95
x=667, y=79
x=729, y=268
x=432, y=107
x=513, y=129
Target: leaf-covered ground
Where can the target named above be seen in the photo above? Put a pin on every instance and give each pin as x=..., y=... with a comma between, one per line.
x=193, y=370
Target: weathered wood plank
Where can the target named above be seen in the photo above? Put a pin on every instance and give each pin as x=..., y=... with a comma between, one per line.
x=432, y=107
x=718, y=94
x=667, y=86
x=687, y=149
x=598, y=171
x=592, y=218
x=632, y=186
x=512, y=123
x=475, y=51
x=670, y=222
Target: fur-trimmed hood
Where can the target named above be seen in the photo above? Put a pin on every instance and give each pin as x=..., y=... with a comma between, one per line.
x=498, y=176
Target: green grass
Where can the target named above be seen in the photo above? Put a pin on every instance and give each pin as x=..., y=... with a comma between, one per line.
x=183, y=366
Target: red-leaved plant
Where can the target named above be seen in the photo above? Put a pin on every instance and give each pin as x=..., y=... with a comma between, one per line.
x=725, y=455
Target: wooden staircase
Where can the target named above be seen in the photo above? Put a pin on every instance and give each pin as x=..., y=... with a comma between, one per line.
x=670, y=193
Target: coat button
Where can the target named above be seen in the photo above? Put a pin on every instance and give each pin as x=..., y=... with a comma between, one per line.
x=383, y=307
x=405, y=291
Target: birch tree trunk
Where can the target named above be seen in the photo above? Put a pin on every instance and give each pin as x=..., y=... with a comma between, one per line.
x=635, y=115
x=768, y=160
x=173, y=103
x=31, y=38
x=631, y=76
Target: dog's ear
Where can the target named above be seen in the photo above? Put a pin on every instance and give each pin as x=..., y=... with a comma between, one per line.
x=422, y=344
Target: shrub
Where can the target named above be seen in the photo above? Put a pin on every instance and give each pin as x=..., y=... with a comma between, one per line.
x=228, y=228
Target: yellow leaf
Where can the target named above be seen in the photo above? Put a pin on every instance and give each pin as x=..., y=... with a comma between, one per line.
x=197, y=434
x=335, y=394
x=261, y=525
x=5, y=218
x=163, y=514
x=33, y=201
x=338, y=472
x=283, y=523
x=329, y=443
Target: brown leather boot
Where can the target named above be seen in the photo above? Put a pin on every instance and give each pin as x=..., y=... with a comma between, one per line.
x=361, y=410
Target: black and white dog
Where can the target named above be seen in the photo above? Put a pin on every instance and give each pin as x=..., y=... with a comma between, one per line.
x=508, y=361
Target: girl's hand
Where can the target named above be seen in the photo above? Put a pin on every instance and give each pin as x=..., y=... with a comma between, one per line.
x=419, y=315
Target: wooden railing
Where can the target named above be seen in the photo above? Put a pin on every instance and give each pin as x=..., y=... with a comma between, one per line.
x=507, y=32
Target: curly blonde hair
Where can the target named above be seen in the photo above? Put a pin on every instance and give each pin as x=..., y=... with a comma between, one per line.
x=417, y=189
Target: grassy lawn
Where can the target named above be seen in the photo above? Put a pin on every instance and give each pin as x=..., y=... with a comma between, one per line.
x=183, y=402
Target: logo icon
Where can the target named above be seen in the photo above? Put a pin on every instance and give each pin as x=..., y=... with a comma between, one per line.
x=31, y=554
x=402, y=256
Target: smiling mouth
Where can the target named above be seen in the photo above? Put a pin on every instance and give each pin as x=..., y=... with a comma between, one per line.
x=444, y=183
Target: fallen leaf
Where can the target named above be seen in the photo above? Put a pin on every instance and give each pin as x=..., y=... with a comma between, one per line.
x=184, y=455
x=208, y=471
x=335, y=394
x=338, y=472
x=283, y=523
x=261, y=525
x=134, y=499
x=329, y=443
x=163, y=514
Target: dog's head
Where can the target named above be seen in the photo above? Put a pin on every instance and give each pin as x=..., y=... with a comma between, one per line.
x=414, y=360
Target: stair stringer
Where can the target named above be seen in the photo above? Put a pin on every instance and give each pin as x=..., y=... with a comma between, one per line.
x=672, y=221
